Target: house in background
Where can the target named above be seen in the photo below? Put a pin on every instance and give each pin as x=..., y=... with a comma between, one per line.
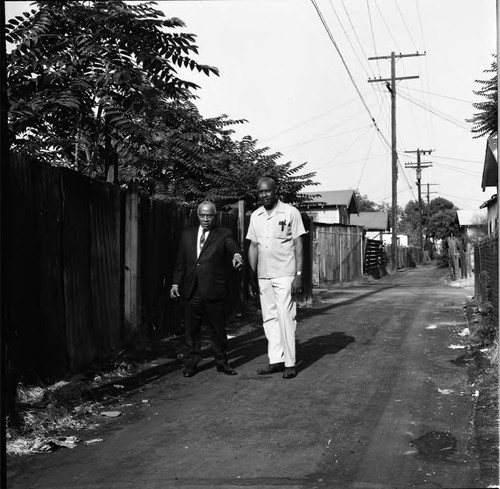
x=491, y=206
x=402, y=239
x=375, y=223
x=472, y=222
x=490, y=179
x=332, y=207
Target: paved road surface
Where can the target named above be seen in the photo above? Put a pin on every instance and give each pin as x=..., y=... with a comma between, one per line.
x=381, y=401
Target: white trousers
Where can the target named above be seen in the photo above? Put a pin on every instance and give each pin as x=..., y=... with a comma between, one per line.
x=279, y=318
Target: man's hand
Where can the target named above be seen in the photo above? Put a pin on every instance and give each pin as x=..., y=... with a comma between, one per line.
x=174, y=292
x=237, y=261
x=297, y=284
x=253, y=287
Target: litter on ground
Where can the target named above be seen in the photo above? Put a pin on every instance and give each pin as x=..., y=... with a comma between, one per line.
x=445, y=391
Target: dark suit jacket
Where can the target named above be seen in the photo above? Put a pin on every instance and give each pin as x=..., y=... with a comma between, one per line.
x=210, y=268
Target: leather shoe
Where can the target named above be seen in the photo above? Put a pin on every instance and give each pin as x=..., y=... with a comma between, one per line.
x=289, y=373
x=189, y=371
x=272, y=368
x=226, y=369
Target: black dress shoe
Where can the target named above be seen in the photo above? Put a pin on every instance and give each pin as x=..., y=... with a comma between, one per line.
x=189, y=371
x=272, y=368
x=289, y=373
x=226, y=369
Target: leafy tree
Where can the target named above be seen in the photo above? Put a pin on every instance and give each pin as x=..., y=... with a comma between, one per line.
x=444, y=224
x=94, y=86
x=409, y=224
x=364, y=203
x=485, y=121
x=88, y=82
x=440, y=204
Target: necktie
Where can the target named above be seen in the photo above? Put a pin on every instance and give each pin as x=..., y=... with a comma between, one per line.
x=202, y=239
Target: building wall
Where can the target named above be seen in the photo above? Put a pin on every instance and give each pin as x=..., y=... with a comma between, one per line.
x=325, y=216
x=492, y=218
x=402, y=239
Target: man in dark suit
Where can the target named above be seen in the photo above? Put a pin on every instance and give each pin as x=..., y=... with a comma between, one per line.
x=199, y=277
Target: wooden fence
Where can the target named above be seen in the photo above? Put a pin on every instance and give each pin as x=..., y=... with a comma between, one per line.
x=88, y=269
x=460, y=257
x=338, y=253
x=408, y=256
x=486, y=276
x=375, y=262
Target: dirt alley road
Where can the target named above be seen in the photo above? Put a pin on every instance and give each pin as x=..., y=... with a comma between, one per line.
x=380, y=401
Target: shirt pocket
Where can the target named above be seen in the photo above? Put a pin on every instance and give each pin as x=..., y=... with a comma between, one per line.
x=283, y=230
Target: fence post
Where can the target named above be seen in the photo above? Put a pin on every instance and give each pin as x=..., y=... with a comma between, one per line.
x=131, y=265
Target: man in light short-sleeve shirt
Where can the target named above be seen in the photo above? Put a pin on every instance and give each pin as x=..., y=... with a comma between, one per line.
x=275, y=256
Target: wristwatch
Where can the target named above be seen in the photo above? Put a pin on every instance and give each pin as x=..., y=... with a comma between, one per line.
x=299, y=273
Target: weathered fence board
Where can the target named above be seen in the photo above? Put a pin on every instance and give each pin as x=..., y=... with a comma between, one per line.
x=52, y=332
x=76, y=271
x=131, y=265
x=105, y=265
x=338, y=253
x=375, y=262
x=89, y=269
x=22, y=332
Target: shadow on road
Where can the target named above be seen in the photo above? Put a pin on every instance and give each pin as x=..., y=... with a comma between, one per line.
x=312, y=350
x=314, y=311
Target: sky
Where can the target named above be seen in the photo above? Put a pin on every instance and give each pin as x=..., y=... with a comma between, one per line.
x=298, y=71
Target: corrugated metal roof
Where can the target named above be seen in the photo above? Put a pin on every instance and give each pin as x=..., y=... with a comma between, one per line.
x=333, y=197
x=372, y=221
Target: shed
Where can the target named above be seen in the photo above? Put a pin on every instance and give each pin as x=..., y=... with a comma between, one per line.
x=332, y=206
x=375, y=223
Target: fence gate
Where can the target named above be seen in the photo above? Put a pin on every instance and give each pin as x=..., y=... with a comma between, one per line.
x=338, y=253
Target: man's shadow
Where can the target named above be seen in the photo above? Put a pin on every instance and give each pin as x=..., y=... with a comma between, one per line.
x=313, y=349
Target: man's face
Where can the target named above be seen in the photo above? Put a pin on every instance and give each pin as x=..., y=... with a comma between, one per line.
x=206, y=216
x=267, y=194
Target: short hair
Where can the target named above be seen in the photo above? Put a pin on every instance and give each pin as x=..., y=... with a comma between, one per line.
x=205, y=203
x=267, y=180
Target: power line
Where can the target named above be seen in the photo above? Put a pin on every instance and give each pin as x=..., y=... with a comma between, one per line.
x=313, y=140
x=440, y=95
x=406, y=25
x=434, y=111
x=325, y=25
x=386, y=25
x=459, y=159
x=348, y=38
x=301, y=124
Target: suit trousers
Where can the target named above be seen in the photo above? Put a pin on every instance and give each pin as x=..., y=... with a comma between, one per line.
x=279, y=318
x=198, y=309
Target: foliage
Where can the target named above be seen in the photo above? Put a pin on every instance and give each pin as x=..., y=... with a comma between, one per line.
x=485, y=121
x=440, y=204
x=439, y=220
x=94, y=86
x=364, y=203
x=409, y=223
x=444, y=224
x=88, y=82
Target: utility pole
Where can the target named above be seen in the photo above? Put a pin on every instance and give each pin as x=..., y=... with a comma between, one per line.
x=419, y=165
x=392, y=90
x=429, y=194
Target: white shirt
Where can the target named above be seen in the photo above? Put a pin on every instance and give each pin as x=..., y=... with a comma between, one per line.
x=274, y=234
